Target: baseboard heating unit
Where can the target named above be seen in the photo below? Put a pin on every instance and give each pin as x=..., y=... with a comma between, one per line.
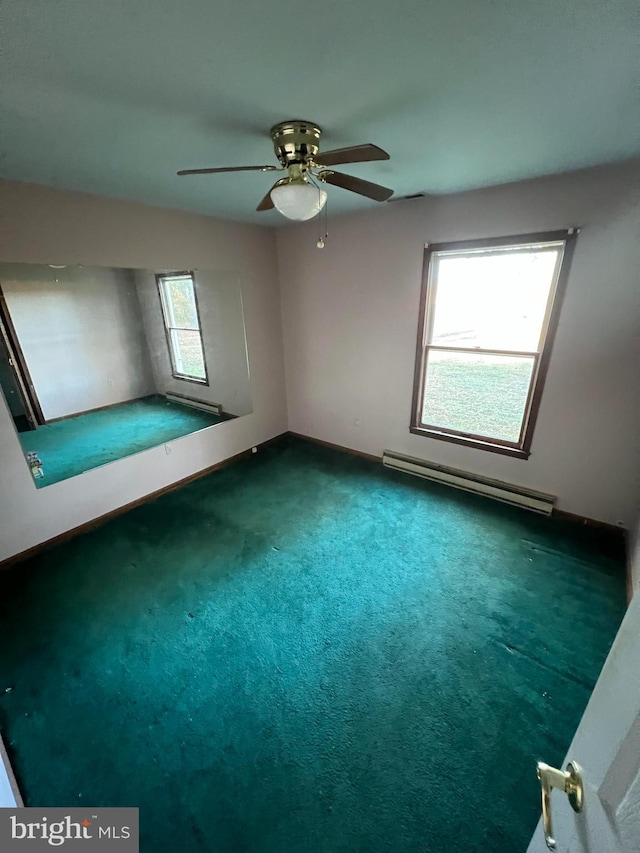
x=212, y=408
x=505, y=492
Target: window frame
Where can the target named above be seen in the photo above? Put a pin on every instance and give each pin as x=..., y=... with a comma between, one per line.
x=184, y=377
x=522, y=448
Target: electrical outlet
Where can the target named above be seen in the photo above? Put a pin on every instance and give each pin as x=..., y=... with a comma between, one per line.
x=356, y=422
x=110, y=382
x=167, y=449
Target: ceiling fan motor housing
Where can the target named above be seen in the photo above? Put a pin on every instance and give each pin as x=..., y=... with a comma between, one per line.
x=295, y=142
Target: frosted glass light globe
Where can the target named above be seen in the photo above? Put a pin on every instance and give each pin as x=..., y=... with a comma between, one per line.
x=298, y=200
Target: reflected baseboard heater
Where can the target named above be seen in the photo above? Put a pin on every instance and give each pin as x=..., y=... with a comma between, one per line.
x=505, y=492
x=203, y=405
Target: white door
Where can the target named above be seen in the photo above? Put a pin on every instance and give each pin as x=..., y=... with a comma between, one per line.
x=9, y=794
x=607, y=747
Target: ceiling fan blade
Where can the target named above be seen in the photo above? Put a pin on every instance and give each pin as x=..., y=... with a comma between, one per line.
x=356, y=185
x=228, y=169
x=266, y=203
x=354, y=154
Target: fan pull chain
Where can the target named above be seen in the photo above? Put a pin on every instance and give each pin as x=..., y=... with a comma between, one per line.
x=321, y=239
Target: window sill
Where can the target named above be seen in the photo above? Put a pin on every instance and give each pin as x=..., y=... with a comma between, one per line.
x=191, y=379
x=505, y=450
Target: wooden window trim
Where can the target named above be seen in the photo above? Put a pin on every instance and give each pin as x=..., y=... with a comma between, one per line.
x=522, y=448
x=182, y=377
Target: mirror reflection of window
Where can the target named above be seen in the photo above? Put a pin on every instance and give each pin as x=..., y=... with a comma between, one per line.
x=182, y=322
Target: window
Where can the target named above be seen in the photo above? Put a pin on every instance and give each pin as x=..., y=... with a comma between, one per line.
x=182, y=322
x=488, y=314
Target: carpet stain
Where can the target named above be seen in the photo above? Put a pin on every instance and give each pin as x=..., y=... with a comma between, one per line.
x=307, y=652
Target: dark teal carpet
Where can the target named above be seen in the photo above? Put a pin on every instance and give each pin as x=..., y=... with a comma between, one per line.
x=79, y=443
x=306, y=653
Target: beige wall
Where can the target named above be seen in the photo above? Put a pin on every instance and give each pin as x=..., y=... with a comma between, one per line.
x=81, y=334
x=350, y=316
x=41, y=225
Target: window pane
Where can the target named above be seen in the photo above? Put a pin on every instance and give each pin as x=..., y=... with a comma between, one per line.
x=187, y=353
x=181, y=302
x=479, y=394
x=492, y=301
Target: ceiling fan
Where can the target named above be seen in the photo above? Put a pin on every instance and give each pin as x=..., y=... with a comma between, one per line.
x=299, y=195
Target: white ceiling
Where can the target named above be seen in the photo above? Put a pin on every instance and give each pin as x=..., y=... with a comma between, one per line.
x=114, y=96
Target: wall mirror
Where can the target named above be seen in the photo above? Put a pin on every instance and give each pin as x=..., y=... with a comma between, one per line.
x=97, y=363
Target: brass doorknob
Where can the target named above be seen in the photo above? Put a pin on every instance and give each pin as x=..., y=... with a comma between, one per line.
x=570, y=782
